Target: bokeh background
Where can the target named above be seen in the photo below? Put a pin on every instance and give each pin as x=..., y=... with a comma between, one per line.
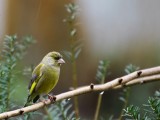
x=122, y=32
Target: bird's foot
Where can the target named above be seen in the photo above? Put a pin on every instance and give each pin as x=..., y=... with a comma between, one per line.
x=43, y=100
x=52, y=98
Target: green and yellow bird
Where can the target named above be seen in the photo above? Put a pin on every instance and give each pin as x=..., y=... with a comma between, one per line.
x=45, y=76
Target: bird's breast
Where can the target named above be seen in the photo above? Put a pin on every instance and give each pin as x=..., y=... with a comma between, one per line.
x=49, y=79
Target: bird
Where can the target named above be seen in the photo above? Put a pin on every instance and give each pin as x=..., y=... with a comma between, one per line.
x=44, y=76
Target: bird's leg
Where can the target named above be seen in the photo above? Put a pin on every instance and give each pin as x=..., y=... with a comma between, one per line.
x=52, y=98
x=42, y=100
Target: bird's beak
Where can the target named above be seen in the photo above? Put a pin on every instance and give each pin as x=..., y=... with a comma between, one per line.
x=61, y=61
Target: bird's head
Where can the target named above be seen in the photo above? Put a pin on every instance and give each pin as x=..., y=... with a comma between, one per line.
x=53, y=58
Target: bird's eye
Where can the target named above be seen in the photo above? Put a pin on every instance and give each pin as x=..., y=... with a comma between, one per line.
x=57, y=58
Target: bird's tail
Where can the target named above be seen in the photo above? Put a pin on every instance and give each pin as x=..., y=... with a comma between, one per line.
x=28, y=101
x=25, y=104
x=33, y=97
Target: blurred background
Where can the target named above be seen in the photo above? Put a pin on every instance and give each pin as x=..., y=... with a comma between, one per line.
x=122, y=32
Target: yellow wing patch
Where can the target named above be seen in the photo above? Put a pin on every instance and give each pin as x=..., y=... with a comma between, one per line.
x=34, y=81
x=32, y=87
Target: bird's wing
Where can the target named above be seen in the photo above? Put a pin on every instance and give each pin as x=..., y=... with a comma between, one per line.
x=36, y=75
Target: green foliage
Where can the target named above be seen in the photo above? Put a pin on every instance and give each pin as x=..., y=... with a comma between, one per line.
x=75, y=47
x=133, y=112
x=100, y=77
x=75, y=44
x=102, y=71
x=126, y=91
x=61, y=111
x=154, y=103
x=72, y=9
x=131, y=68
x=152, y=111
x=12, y=51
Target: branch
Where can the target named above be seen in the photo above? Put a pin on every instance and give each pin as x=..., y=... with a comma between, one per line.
x=141, y=76
x=142, y=80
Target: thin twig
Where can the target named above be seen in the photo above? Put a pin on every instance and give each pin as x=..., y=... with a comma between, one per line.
x=98, y=106
x=127, y=93
x=146, y=75
x=75, y=85
x=141, y=80
x=103, y=64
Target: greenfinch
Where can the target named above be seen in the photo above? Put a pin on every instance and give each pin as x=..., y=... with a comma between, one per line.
x=45, y=76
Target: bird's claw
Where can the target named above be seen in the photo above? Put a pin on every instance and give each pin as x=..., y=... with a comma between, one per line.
x=44, y=101
x=52, y=98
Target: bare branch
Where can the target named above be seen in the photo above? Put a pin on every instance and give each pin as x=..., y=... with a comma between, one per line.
x=138, y=77
x=141, y=80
